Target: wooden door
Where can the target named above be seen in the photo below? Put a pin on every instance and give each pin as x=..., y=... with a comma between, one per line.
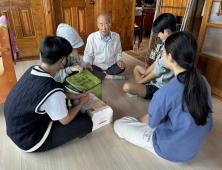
x=209, y=58
x=77, y=13
x=26, y=18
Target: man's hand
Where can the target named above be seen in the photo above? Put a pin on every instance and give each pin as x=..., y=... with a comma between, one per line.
x=84, y=94
x=89, y=66
x=76, y=68
x=121, y=64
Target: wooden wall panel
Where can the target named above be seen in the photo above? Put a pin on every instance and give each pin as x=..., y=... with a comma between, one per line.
x=49, y=12
x=174, y=10
x=174, y=6
x=122, y=13
x=184, y=4
x=123, y=23
x=15, y=3
x=163, y=4
x=179, y=9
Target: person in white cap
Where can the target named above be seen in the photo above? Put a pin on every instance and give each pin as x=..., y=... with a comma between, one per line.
x=74, y=62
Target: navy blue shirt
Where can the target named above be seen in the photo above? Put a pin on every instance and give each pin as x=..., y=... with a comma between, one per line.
x=177, y=138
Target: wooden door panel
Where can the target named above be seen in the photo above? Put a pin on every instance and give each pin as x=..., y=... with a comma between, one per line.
x=219, y=80
x=211, y=71
x=27, y=22
x=209, y=51
x=79, y=14
x=211, y=68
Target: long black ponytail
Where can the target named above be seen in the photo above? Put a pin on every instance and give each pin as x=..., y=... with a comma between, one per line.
x=183, y=48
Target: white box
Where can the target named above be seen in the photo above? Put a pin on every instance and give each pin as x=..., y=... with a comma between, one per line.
x=100, y=112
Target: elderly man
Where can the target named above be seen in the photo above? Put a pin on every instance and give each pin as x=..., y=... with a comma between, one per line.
x=104, y=50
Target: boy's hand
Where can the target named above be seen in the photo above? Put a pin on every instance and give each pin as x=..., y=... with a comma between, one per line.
x=75, y=55
x=78, y=96
x=76, y=68
x=141, y=77
x=84, y=98
x=89, y=66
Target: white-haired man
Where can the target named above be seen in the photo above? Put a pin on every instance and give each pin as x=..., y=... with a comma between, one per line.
x=104, y=51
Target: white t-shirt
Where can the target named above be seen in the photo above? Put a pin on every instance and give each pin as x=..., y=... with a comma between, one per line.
x=55, y=105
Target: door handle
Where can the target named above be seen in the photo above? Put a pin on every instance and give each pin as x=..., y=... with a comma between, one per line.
x=91, y=2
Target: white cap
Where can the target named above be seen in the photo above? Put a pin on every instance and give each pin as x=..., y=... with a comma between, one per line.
x=70, y=34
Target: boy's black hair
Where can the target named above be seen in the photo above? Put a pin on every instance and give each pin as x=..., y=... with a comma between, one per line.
x=164, y=21
x=53, y=48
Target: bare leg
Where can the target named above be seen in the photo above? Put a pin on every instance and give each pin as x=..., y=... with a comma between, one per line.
x=143, y=118
x=135, y=88
x=138, y=71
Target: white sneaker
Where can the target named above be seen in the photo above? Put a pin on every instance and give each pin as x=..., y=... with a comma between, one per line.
x=131, y=95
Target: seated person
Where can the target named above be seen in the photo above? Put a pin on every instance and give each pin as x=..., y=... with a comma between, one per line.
x=74, y=62
x=180, y=113
x=35, y=110
x=104, y=50
x=148, y=81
